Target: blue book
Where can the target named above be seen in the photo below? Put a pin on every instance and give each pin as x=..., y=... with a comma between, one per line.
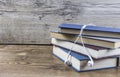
x=79, y=62
x=91, y=30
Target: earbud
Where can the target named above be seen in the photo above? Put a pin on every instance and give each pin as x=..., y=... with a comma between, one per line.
x=68, y=63
x=90, y=63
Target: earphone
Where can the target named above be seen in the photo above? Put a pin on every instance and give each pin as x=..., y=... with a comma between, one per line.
x=67, y=61
x=90, y=62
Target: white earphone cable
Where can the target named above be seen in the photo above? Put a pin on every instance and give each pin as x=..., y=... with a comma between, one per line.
x=91, y=62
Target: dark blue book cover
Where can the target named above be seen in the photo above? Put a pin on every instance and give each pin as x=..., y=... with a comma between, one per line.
x=76, y=55
x=81, y=58
x=90, y=28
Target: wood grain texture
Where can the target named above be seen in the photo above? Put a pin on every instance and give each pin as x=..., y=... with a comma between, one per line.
x=38, y=61
x=30, y=21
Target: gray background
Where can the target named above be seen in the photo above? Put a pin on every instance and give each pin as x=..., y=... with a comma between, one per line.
x=30, y=21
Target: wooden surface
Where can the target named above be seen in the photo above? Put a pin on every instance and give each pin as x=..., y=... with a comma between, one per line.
x=30, y=21
x=38, y=61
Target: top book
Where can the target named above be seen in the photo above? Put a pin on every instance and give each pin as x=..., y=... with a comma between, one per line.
x=91, y=30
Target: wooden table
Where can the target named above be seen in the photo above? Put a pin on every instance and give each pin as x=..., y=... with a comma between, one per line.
x=38, y=61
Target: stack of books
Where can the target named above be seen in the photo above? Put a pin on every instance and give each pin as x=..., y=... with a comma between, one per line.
x=102, y=43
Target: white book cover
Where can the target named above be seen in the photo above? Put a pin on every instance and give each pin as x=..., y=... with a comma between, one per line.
x=95, y=51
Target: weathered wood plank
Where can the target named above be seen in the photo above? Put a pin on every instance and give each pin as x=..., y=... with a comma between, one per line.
x=31, y=55
x=30, y=21
x=38, y=61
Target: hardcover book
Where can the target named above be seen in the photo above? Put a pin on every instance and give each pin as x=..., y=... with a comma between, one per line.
x=79, y=62
x=97, y=41
x=91, y=30
x=95, y=51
